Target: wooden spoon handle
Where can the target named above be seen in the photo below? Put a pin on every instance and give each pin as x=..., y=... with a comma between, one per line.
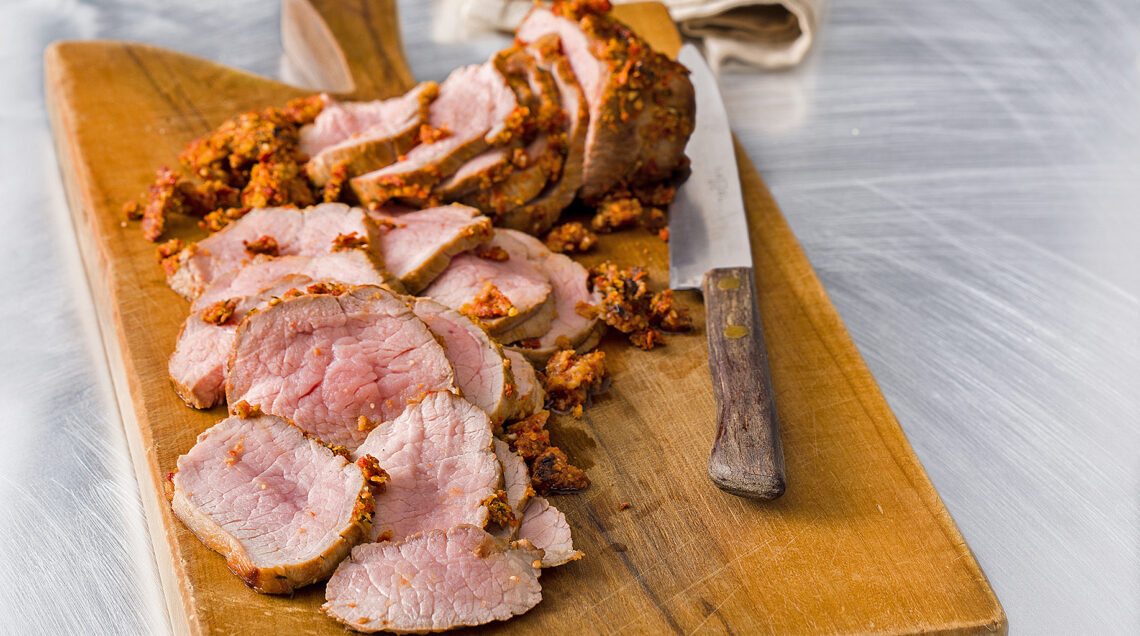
x=746, y=459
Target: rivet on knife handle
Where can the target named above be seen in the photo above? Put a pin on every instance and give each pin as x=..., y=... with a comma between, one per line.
x=746, y=459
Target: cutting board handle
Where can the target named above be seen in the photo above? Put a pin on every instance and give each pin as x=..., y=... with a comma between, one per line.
x=351, y=48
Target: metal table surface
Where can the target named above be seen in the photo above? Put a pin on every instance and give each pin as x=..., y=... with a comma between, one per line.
x=963, y=175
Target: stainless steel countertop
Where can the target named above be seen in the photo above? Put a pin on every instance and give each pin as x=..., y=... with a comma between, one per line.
x=964, y=176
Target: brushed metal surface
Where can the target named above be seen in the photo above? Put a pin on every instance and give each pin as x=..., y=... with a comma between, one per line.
x=963, y=176
x=707, y=226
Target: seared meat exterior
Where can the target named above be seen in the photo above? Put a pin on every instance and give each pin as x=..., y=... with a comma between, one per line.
x=273, y=232
x=499, y=270
x=475, y=110
x=481, y=372
x=434, y=581
x=442, y=466
x=359, y=137
x=545, y=527
x=282, y=509
x=573, y=327
x=418, y=245
x=641, y=103
x=336, y=365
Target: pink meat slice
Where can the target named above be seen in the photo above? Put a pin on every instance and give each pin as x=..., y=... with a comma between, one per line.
x=570, y=329
x=473, y=107
x=529, y=396
x=434, y=581
x=326, y=361
x=418, y=245
x=307, y=232
x=545, y=527
x=523, y=283
x=282, y=509
x=442, y=466
x=351, y=267
x=198, y=365
x=364, y=136
x=481, y=371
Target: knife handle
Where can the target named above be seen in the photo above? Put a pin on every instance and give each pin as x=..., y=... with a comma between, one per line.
x=746, y=459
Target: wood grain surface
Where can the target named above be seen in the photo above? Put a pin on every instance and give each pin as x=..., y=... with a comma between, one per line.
x=860, y=542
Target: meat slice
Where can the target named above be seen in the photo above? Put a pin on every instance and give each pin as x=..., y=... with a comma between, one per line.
x=500, y=267
x=274, y=232
x=282, y=509
x=541, y=161
x=535, y=90
x=516, y=484
x=419, y=245
x=641, y=103
x=336, y=365
x=480, y=173
x=442, y=466
x=198, y=365
x=537, y=215
x=481, y=371
x=529, y=396
x=434, y=581
x=351, y=267
x=475, y=110
x=570, y=328
x=545, y=527
x=364, y=136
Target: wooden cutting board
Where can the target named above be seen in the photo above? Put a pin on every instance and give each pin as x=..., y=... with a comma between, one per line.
x=861, y=542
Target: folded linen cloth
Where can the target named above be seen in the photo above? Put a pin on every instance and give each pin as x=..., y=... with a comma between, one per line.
x=765, y=33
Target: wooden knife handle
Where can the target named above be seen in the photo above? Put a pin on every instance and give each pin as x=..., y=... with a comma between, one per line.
x=746, y=459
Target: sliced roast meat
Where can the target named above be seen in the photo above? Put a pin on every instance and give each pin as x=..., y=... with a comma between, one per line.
x=336, y=365
x=537, y=215
x=434, y=581
x=442, y=466
x=536, y=91
x=198, y=365
x=481, y=371
x=280, y=507
x=480, y=173
x=529, y=396
x=359, y=137
x=641, y=103
x=541, y=161
x=545, y=527
x=500, y=269
x=516, y=483
x=570, y=329
x=475, y=110
x=418, y=245
x=317, y=230
x=351, y=267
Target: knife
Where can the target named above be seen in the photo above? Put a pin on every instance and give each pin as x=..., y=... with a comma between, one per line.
x=709, y=250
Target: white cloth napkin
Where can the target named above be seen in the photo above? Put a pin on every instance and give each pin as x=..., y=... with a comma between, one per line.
x=765, y=33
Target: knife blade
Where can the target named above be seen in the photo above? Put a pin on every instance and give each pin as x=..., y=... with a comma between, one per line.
x=709, y=249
